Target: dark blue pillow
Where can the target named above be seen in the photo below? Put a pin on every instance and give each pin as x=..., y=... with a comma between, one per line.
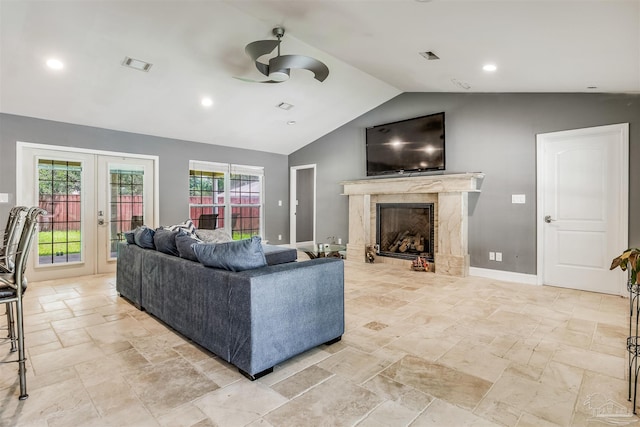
x=234, y=256
x=143, y=237
x=129, y=237
x=165, y=241
x=183, y=243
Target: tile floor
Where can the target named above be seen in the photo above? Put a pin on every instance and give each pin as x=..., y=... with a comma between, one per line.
x=420, y=349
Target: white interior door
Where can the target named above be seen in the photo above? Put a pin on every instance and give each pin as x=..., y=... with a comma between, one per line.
x=90, y=199
x=583, y=180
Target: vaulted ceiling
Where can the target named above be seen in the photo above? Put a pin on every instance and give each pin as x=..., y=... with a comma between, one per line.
x=371, y=48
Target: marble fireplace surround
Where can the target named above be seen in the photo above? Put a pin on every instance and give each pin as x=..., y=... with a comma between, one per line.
x=449, y=193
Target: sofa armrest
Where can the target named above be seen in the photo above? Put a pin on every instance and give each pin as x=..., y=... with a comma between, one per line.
x=280, y=311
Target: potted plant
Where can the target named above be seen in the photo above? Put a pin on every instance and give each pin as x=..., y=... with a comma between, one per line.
x=630, y=257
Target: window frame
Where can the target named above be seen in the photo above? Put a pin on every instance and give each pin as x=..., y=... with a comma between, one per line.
x=229, y=169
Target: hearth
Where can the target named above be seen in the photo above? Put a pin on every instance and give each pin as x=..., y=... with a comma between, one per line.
x=405, y=230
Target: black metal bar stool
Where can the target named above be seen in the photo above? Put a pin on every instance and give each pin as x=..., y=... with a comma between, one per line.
x=12, y=287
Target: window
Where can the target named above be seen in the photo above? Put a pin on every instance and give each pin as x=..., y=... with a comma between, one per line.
x=228, y=197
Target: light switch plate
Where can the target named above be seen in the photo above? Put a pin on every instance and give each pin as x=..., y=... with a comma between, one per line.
x=4, y=197
x=518, y=198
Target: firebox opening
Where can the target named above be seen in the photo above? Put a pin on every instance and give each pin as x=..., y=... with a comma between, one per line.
x=405, y=230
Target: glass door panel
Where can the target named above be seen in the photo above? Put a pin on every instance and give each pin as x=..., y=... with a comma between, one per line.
x=126, y=186
x=60, y=194
x=125, y=201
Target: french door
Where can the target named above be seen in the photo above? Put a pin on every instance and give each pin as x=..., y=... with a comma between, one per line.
x=91, y=199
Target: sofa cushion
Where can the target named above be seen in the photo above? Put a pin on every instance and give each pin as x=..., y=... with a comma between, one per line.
x=143, y=237
x=188, y=226
x=183, y=243
x=165, y=241
x=129, y=237
x=279, y=254
x=213, y=236
x=234, y=256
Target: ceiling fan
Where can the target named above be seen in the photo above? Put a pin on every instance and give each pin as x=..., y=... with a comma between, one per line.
x=279, y=67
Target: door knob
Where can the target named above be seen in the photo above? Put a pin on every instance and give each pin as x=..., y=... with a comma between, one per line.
x=100, y=221
x=548, y=219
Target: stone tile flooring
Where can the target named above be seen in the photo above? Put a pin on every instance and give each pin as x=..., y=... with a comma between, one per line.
x=420, y=349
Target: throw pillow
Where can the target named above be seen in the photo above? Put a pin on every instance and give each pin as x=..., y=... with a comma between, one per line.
x=165, y=241
x=188, y=226
x=129, y=237
x=143, y=237
x=185, y=243
x=234, y=256
x=213, y=236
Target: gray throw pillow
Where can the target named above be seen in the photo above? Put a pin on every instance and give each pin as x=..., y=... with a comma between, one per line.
x=234, y=256
x=129, y=237
x=165, y=241
x=143, y=236
x=184, y=244
x=213, y=236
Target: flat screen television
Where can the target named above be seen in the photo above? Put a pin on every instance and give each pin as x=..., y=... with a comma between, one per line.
x=412, y=145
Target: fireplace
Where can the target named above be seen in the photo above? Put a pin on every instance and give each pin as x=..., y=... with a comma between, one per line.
x=405, y=230
x=448, y=193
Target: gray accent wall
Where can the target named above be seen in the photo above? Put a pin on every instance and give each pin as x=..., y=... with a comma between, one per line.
x=490, y=133
x=174, y=156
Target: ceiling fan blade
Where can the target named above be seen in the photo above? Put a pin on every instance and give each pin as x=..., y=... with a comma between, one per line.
x=319, y=69
x=261, y=47
x=244, y=79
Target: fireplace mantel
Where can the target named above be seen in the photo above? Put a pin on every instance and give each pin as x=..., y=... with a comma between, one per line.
x=448, y=192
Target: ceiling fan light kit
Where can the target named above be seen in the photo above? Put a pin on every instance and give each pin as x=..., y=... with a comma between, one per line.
x=279, y=67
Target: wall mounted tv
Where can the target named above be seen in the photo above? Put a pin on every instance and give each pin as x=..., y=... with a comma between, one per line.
x=412, y=145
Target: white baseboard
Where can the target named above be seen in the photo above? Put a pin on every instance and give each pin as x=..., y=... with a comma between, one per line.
x=506, y=276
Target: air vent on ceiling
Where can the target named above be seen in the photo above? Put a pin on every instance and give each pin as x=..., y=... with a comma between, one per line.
x=285, y=106
x=429, y=56
x=461, y=84
x=136, y=64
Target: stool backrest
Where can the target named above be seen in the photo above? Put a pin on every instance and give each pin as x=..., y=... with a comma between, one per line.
x=11, y=236
x=24, y=245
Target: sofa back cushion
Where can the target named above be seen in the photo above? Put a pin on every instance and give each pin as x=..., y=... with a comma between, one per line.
x=183, y=243
x=143, y=236
x=165, y=241
x=238, y=255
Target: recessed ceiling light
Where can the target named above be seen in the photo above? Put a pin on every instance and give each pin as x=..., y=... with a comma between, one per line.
x=206, y=102
x=285, y=106
x=490, y=67
x=136, y=64
x=55, y=64
x=291, y=122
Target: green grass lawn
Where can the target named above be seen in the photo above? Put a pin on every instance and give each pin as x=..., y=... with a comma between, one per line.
x=236, y=235
x=67, y=242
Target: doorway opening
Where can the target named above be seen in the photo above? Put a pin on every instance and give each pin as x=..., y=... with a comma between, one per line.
x=302, y=218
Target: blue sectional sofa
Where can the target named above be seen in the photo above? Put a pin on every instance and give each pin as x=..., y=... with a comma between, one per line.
x=253, y=319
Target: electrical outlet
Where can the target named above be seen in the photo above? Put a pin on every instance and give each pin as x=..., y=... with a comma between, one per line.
x=499, y=256
x=279, y=202
x=339, y=241
x=492, y=256
x=279, y=236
